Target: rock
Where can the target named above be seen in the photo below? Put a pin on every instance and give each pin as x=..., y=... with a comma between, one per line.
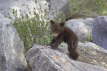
x=58, y=8
x=1, y=16
x=23, y=8
x=11, y=48
x=93, y=54
x=89, y=22
x=89, y=53
x=88, y=45
x=42, y=58
x=100, y=31
x=82, y=27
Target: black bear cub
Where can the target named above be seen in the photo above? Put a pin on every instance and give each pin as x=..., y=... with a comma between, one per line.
x=62, y=33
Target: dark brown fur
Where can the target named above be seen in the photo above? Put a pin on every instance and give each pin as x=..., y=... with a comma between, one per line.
x=64, y=34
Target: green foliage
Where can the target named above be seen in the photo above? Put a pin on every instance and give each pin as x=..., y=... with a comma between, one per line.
x=89, y=7
x=86, y=8
x=33, y=31
x=89, y=37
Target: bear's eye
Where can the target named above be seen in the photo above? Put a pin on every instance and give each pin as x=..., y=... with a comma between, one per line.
x=62, y=24
x=52, y=22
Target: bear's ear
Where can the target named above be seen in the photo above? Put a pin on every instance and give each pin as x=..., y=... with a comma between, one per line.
x=52, y=22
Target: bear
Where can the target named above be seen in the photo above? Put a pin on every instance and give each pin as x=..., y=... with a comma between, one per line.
x=61, y=33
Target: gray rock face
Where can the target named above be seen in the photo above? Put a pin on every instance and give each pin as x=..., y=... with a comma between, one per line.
x=89, y=53
x=41, y=58
x=57, y=7
x=100, y=31
x=11, y=48
x=82, y=27
x=93, y=54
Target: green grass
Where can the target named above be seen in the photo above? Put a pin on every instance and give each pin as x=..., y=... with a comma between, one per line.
x=33, y=31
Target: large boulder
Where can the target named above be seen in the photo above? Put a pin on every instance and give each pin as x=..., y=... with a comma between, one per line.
x=42, y=58
x=82, y=27
x=93, y=54
x=100, y=31
x=89, y=53
x=11, y=48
